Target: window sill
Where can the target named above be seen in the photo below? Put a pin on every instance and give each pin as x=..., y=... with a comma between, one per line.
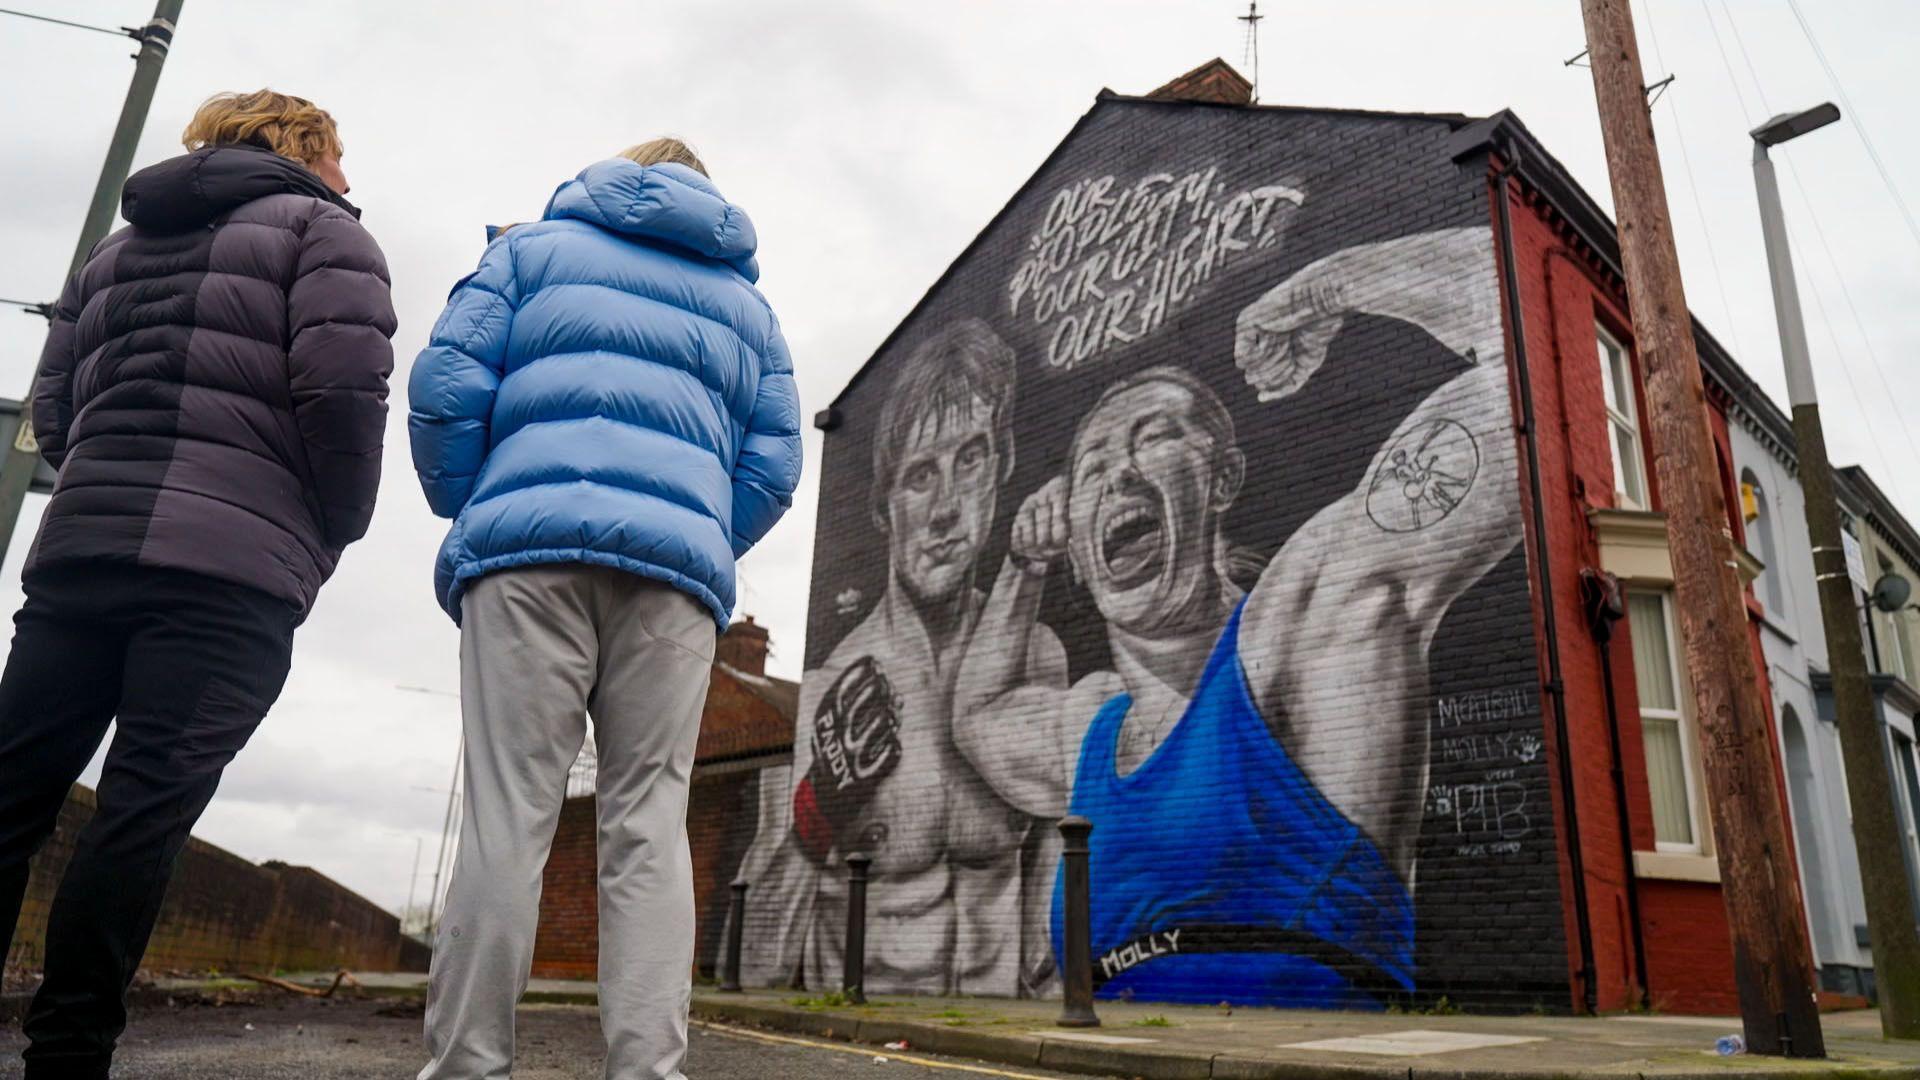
x=1773, y=620
x=1676, y=866
x=1633, y=546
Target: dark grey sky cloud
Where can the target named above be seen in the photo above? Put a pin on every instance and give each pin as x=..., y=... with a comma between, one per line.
x=870, y=142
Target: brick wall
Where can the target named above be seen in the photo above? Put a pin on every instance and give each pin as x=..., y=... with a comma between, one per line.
x=739, y=720
x=747, y=722
x=720, y=817
x=567, y=945
x=947, y=697
x=1562, y=297
x=224, y=913
x=1565, y=292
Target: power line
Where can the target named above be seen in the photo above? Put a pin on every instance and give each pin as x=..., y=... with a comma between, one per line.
x=125, y=31
x=1747, y=57
x=1853, y=116
x=1840, y=355
x=1859, y=402
x=1860, y=324
x=1727, y=61
x=1699, y=208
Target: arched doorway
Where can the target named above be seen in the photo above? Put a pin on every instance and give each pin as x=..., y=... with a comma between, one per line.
x=1801, y=790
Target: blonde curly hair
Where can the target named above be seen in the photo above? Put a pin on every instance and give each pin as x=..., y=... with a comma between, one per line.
x=292, y=127
x=663, y=151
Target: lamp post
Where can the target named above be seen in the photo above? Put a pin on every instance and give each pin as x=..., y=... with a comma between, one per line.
x=1890, y=910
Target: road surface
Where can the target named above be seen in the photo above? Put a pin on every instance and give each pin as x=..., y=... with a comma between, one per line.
x=302, y=1039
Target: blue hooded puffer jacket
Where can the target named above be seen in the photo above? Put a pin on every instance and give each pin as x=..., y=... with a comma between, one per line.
x=609, y=388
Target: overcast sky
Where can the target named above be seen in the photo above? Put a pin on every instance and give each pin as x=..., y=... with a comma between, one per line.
x=870, y=142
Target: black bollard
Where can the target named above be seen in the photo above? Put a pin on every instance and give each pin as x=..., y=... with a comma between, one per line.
x=1076, y=967
x=736, y=915
x=854, y=982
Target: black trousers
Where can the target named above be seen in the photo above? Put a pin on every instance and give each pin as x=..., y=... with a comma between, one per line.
x=188, y=666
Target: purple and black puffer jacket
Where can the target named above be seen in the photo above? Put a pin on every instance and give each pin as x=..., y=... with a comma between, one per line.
x=213, y=392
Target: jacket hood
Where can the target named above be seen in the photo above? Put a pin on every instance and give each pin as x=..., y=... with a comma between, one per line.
x=191, y=190
x=668, y=203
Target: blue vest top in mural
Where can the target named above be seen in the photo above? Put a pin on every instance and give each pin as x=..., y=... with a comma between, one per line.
x=1220, y=873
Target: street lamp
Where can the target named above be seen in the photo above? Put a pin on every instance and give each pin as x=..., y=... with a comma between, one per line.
x=1793, y=125
x=1883, y=877
x=1773, y=225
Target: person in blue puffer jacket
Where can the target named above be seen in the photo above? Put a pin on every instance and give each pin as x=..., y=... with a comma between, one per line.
x=607, y=412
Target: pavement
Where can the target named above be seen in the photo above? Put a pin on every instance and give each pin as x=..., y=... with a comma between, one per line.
x=1020, y=1039
x=291, y=1038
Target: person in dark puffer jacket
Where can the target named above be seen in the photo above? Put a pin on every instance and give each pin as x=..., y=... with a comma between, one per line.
x=213, y=394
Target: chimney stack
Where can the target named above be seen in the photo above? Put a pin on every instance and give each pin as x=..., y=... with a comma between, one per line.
x=1215, y=82
x=743, y=647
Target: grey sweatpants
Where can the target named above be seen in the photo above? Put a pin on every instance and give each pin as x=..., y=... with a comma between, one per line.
x=541, y=649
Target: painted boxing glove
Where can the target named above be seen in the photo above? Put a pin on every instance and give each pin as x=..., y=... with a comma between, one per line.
x=855, y=740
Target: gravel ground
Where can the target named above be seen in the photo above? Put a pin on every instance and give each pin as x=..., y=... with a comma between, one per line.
x=301, y=1039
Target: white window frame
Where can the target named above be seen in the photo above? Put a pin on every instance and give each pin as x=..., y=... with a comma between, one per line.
x=1760, y=532
x=1683, y=718
x=1623, y=418
x=1900, y=758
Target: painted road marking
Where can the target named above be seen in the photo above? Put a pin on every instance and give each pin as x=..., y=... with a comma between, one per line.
x=1414, y=1043
x=864, y=1051
x=1090, y=1037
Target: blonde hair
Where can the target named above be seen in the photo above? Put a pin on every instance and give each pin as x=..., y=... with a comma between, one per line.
x=292, y=127
x=665, y=150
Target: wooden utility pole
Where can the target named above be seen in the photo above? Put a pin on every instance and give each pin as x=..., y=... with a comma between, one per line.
x=1773, y=966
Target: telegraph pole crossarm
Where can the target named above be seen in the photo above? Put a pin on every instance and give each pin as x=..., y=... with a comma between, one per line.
x=1773, y=965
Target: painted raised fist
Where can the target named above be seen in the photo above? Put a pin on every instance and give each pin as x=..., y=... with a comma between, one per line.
x=1040, y=528
x=1440, y=281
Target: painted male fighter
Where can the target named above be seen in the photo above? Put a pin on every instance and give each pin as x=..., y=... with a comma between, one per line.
x=874, y=762
x=1254, y=763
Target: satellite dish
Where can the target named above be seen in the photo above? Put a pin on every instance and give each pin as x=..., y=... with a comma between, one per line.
x=1891, y=592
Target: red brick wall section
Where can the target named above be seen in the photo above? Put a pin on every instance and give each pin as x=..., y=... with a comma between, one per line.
x=567, y=945
x=738, y=722
x=720, y=824
x=1559, y=308
x=1689, y=954
x=1564, y=294
x=224, y=913
x=720, y=820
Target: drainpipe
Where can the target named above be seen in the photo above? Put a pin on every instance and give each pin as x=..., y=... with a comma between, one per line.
x=1556, y=686
x=1606, y=606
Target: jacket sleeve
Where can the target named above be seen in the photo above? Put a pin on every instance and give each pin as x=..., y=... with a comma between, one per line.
x=52, y=410
x=340, y=319
x=450, y=393
x=768, y=468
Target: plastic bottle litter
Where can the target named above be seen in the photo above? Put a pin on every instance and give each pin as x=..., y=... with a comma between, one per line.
x=1728, y=1045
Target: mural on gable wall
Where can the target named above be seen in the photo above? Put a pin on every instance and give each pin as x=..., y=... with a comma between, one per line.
x=1188, y=503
